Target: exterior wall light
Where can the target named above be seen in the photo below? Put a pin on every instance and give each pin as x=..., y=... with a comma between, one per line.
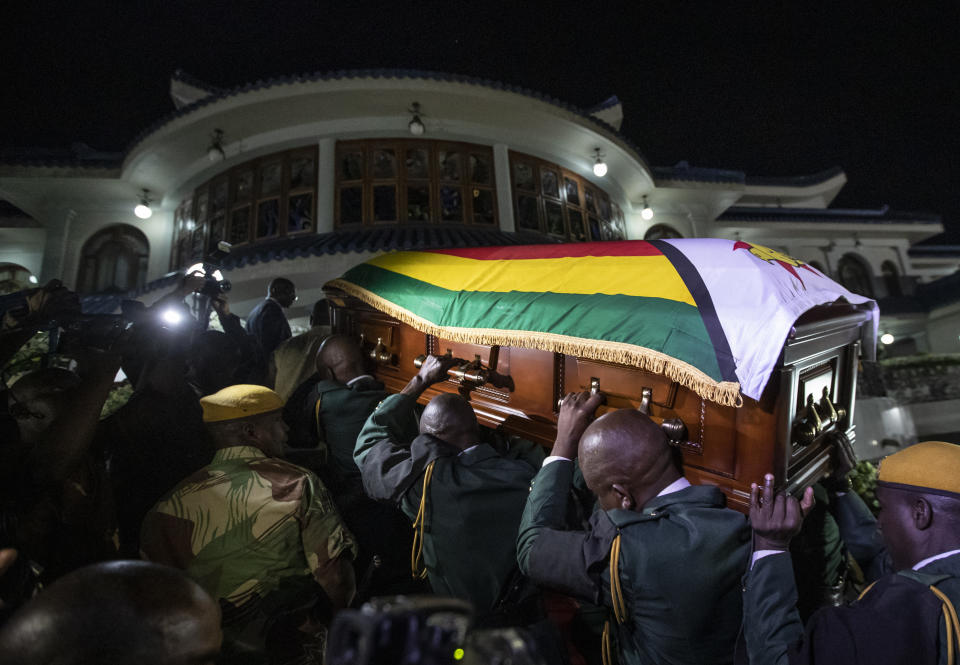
x=647, y=212
x=32, y=279
x=143, y=209
x=416, y=126
x=215, y=152
x=599, y=166
x=886, y=338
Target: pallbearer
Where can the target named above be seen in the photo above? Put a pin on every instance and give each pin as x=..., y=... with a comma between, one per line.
x=663, y=555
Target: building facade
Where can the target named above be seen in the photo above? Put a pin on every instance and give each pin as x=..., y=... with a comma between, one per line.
x=306, y=176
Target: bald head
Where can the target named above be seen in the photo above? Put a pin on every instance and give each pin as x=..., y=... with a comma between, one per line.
x=450, y=418
x=113, y=613
x=626, y=459
x=342, y=357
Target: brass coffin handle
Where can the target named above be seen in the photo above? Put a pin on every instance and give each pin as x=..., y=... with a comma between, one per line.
x=594, y=389
x=646, y=396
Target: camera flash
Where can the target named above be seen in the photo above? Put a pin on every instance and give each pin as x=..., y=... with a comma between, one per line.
x=172, y=316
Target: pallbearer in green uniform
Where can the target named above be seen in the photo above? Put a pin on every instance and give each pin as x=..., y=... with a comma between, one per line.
x=463, y=497
x=259, y=534
x=338, y=406
x=664, y=556
x=905, y=617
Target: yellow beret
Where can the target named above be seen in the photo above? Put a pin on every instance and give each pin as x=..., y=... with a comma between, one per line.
x=931, y=466
x=239, y=401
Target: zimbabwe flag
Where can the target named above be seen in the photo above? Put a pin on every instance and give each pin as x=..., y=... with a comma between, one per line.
x=635, y=302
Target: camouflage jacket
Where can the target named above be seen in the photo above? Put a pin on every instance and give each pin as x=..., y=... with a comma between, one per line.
x=246, y=524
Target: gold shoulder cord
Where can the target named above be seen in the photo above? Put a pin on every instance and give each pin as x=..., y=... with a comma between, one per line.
x=949, y=619
x=417, y=568
x=616, y=599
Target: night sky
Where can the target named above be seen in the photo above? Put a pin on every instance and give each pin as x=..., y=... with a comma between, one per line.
x=772, y=89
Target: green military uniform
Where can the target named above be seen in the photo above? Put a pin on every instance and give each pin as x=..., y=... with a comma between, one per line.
x=343, y=410
x=895, y=621
x=680, y=563
x=255, y=532
x=898, y=620
x=473, y=504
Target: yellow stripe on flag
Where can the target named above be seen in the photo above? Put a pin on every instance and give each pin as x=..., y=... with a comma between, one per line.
x=642, y=276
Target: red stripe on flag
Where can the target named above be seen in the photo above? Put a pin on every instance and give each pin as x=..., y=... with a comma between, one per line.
x=555, y=251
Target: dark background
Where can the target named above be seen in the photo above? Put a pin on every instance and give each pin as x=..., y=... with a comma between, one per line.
x=773, y=89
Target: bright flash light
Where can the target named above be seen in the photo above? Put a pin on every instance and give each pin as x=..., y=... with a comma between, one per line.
x=198, y=268
x=647, y=213
x=886, y=338
x=171, y=317
x=599, y=168
x=142, y=211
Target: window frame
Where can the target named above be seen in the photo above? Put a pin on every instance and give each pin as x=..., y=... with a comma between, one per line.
x=401, y=181
x=614, y=221
x=188, y=221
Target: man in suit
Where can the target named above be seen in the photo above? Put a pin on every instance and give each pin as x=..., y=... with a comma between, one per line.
x=907, y=616
x=664, y=555
x=267, y=322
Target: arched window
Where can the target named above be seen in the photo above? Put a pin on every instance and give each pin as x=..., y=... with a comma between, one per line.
x=891, y=278
x=114, y=259
x=661, y=232
x=13, y=278
x=854, y=274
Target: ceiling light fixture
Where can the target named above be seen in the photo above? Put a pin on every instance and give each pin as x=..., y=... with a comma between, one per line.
x=143, y=209
x=886, y=338
x=215, y=152
x=599, y=166
x=416, y=126
x=647, y=212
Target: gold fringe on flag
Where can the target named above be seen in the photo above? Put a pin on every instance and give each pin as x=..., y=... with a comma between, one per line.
x=724, y=393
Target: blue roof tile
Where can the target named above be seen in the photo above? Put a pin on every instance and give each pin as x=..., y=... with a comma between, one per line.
x=825, y=215
x=795, y=181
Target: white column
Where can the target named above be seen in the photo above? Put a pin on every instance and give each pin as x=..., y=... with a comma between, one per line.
x=501, y=167
x=326, y=172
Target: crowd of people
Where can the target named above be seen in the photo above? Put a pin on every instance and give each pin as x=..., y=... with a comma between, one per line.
x=257, y=486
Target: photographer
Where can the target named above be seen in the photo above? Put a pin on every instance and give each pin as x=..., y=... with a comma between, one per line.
x=157, y=438
x=53, y=507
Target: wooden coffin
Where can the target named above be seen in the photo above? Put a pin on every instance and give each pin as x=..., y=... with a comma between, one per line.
x=790, y=431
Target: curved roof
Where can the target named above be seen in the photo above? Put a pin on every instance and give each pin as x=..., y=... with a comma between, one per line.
x=217, y=94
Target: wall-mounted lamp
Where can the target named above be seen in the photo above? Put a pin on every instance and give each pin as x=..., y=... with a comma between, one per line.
x=143, y=209
x=647, y=212
x=886, y=338
x=32, y=279
x=416, y=125
x=215, y=152
x=599, y=166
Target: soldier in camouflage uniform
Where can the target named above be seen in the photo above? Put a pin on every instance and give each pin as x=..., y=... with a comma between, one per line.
x=259, y=534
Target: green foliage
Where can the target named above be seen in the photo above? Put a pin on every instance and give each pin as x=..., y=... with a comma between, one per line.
x=923, y=360
x=863, y=481
x=28, y=358
x=117, y=397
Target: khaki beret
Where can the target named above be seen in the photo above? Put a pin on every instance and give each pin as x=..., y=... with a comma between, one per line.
x=930, y=467
x=239, y=401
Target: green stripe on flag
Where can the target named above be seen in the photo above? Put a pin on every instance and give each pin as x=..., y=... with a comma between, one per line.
x=670, y=327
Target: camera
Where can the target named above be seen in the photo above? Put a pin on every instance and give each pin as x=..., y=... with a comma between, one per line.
x=212, y=286
x=426, y=630
x=70, y=327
